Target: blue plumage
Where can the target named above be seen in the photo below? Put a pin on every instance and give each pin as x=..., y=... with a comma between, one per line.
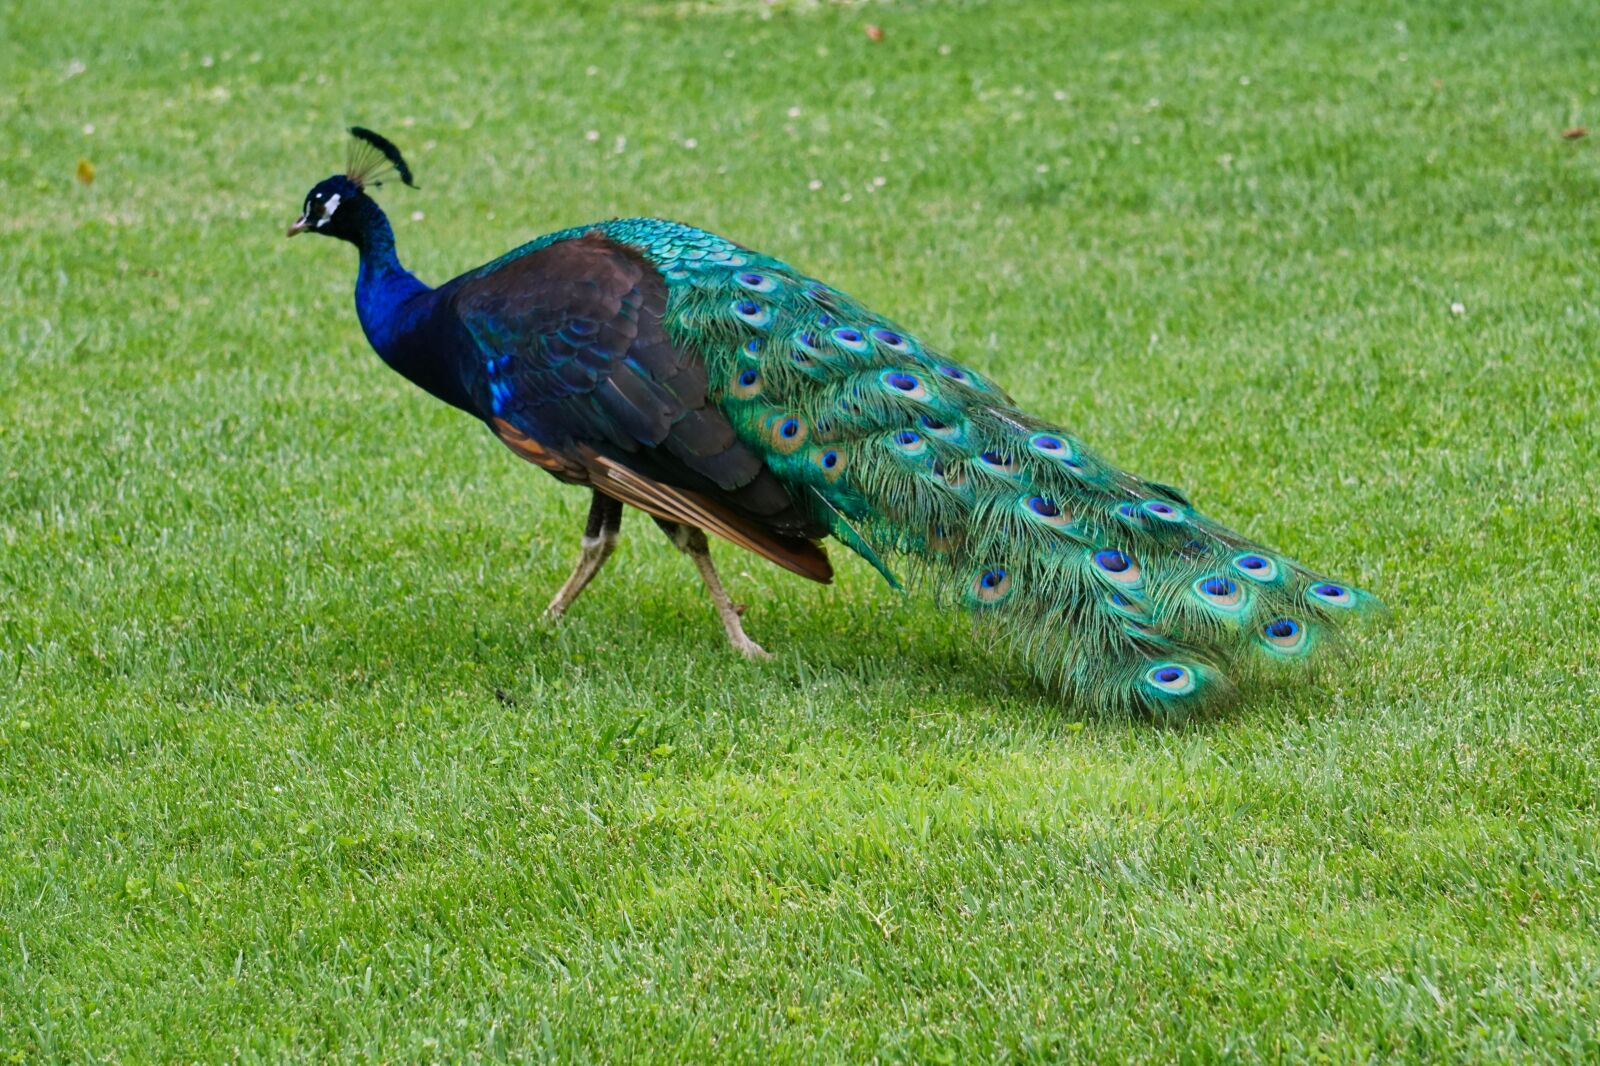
x=718, y=389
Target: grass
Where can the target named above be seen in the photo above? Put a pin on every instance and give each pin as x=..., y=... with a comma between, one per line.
x=290, y=767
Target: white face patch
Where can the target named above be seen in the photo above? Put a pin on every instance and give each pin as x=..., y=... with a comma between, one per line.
x=328, y=209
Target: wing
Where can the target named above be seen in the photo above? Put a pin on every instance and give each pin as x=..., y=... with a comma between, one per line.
x=576, y=372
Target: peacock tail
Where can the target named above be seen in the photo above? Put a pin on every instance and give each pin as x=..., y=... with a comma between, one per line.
x=1114, y=587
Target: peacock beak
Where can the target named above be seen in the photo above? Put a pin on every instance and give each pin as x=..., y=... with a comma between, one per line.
x=299, y=225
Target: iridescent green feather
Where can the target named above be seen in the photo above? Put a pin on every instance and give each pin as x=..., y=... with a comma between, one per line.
x=1113, y=587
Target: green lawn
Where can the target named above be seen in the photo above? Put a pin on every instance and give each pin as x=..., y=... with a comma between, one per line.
x=291, y=768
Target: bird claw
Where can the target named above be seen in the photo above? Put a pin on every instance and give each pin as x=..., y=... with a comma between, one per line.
x=750, y=649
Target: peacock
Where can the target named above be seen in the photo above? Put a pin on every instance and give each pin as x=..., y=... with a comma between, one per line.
x=723, y=391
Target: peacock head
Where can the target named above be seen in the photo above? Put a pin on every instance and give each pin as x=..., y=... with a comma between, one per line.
x=338, y=206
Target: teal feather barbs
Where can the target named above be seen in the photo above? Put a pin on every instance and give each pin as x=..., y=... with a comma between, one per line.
x=716, y=388
x=1113, y=586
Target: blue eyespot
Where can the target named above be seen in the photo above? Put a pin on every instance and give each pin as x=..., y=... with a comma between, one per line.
x=752, y=313
x=906, y=384
x=785, y=432
x=1221, y=592
x=1046, y=508
x=1117, y=567
x=1256, y=567
x=991, y=586
x=954, y=373
x=850, y=339
x=1112, y=561
x=997, y=462
x=829, y=461
x=911, y=443
x=1170, y=678
x=1053, y=447
x=1333, y=595
x=889, y=339
x=747, y=383
x=1285, y=636
x=753, y=345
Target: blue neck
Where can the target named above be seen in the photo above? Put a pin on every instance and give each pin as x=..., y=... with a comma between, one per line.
x=398, y=314
x=386, y=292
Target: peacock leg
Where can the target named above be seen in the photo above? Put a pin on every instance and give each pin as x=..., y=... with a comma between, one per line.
x=599, y=541
x=692, y=542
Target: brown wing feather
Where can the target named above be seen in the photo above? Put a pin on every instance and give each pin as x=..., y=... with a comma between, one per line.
x=795, y=554
x=562, y=466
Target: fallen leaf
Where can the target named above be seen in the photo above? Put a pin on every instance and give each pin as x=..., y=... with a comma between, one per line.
x=874, y=32
x=1572, y=133
x=85, y=172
